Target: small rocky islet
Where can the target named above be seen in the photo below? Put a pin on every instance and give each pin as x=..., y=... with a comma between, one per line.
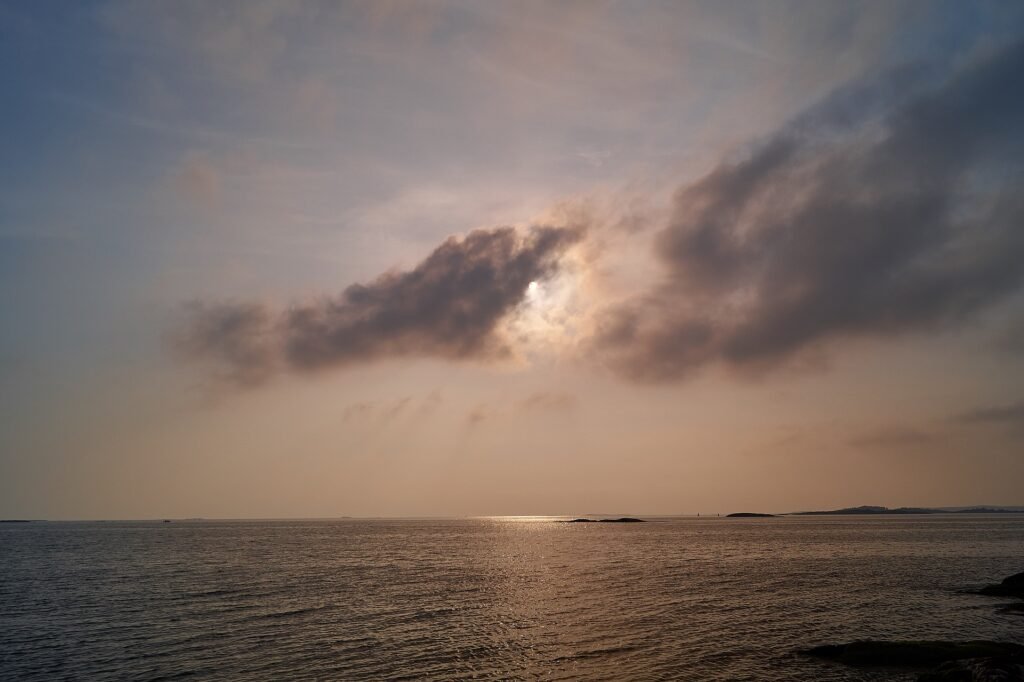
x=941, y=661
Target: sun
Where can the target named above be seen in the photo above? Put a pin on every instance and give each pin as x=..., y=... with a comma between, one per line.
x=545, y=322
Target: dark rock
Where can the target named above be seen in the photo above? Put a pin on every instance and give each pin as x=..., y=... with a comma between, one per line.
x=913, y=654
x=624, y=519
x=748, y=515
x=1010, y=587
x=1005, y=669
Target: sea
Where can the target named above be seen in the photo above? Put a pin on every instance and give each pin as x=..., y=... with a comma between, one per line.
x=511, y=598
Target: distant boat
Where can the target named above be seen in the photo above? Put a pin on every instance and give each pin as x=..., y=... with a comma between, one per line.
x=167, y=520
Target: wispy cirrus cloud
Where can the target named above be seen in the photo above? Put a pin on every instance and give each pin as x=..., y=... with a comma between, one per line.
x=389, y=410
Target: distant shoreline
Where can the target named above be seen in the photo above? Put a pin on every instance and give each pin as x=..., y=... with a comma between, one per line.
x=869, y=510
x=847, y=511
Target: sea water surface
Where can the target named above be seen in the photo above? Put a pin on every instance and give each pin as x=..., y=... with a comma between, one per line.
x=496, y=598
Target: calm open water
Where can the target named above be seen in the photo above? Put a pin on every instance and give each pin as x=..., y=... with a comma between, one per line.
x=692, y=599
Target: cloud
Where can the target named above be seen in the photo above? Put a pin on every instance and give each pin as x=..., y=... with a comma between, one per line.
x=430, y=404
x=236, y=340
x=357, y=411
x=892, y=437
x=540, y=402
x=548, y=401
x=240, y=39
x=478, y=415
x=1010, y=339
x=198, y=181
x=396, y=408
x=450, y=306
x=999, y=414
x=388, y=411
x=886, y=209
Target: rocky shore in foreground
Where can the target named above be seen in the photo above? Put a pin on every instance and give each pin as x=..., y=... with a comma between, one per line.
x=1010, y=587
x=940, y=661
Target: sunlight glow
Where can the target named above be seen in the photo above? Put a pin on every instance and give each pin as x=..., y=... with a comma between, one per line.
x=545, y=322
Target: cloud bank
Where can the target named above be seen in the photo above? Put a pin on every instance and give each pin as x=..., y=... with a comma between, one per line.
x=450, y=306
x=889, y=208
x=876, y=213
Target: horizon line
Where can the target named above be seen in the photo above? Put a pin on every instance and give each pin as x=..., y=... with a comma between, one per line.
x=403, y=517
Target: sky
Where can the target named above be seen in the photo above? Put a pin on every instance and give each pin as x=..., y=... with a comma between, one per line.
x=384, y=258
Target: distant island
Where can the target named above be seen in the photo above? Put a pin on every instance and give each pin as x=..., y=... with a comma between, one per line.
x=875, y=510
x=867, y=509
x=623, y=519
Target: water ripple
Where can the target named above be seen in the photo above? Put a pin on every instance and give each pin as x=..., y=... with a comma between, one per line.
x=708, y=599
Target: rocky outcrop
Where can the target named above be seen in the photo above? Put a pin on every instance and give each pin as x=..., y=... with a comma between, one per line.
x=748, y=515
x=1006, y=669
x=973, y=661
x=913, y=654
x=1010, y=587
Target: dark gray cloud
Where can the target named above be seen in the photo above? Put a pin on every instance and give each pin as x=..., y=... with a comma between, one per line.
x=449, y=306
x=236, y=340
x=884, y=210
